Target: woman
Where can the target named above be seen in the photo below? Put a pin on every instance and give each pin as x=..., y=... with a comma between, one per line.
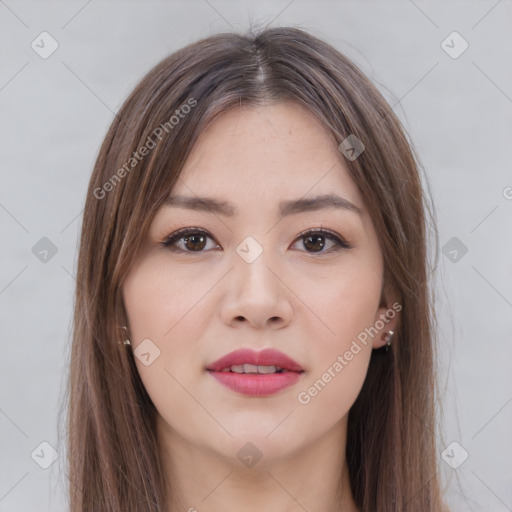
x=253, y=327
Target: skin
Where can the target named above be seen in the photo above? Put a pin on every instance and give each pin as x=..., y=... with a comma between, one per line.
x=198, y=306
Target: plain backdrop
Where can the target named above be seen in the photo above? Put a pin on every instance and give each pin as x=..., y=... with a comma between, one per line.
x=457, y=108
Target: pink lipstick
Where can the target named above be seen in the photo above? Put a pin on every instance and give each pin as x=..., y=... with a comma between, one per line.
x=256, y=373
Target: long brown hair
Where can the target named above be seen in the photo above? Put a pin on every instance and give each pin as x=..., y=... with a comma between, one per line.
x=113, y=457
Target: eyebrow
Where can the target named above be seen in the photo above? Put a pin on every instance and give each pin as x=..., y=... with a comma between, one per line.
x=211, y=205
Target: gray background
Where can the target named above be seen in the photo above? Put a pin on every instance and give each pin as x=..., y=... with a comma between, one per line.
x=55, y=113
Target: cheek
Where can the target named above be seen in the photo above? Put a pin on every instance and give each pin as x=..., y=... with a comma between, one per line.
x=327, y=397
x=165, y=306
x=346, y=302
x=159, y=300
x=337, y=373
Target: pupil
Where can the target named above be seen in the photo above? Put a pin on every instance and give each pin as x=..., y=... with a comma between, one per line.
x=317, y=239
x=195, y=239
x=312, y=242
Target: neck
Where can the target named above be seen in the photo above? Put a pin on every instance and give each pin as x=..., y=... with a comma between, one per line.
x=314, y=478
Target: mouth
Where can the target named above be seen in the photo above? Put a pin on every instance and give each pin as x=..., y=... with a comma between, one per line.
x=252, y=369
x=256, y=373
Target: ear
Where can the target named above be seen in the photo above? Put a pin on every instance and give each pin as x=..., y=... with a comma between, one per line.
x=386, y=318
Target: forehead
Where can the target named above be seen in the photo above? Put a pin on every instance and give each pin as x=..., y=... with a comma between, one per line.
x=259, y=153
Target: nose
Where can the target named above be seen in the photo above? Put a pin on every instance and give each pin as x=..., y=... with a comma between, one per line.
x=256, y=295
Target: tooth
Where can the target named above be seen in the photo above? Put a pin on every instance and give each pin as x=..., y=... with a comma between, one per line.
x=238, y=368
x=266, y=369
x=250, y=368
x=225, y=370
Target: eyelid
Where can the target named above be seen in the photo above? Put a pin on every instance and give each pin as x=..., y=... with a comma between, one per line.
x=180, y=233
x=340, y=241
x=343, y=243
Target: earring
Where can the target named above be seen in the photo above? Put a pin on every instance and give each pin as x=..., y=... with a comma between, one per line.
x=126, y=341
x=388, y=338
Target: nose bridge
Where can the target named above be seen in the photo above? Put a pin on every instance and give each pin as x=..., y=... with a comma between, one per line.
x=252, y=265
x=255, y=292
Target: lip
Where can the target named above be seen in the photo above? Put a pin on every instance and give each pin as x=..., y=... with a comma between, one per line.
x=266, y=357
x=256, y=384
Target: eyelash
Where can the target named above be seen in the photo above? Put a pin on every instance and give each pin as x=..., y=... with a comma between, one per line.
x=340, y=242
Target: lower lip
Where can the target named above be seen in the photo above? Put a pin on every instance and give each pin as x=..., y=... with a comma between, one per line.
x=256, y=384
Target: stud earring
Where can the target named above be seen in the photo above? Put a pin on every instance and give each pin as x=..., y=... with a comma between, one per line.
x=388, y=338
x=126, y=341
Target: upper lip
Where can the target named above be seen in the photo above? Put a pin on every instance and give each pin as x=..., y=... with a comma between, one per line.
x=266, y=357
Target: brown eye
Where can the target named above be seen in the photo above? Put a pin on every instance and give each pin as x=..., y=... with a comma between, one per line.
x=187, y=240
x=191, y=240
x=315, y=241
x=195, y=242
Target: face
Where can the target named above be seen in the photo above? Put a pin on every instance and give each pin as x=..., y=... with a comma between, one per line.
x=258, y=272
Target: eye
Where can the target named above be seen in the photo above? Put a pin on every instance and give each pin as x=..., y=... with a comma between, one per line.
x=315, y=241
x=191, y=239
x=196, y=240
